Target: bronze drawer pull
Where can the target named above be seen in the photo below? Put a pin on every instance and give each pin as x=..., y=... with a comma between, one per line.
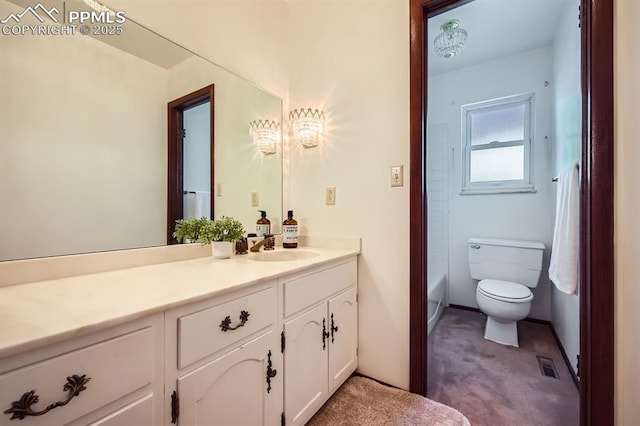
x=325, y=334
x=271, y=372
x=20, y=409
x=225, y=324
x=334, y=328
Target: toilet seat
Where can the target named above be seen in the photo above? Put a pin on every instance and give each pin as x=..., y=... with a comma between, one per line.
x=505, y=291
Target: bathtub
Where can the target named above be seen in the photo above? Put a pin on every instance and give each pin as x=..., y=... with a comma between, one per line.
x=437, y=286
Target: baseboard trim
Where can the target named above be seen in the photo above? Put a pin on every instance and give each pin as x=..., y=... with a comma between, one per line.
x=358, y=374
x=576, y=381
x=464, y=308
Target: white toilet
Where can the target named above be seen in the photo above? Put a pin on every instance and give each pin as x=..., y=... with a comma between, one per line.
x=506, y=270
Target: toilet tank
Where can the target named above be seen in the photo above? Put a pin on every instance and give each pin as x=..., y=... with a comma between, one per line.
x=507, y=260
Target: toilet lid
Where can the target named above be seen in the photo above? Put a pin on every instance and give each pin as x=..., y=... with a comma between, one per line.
x=505, y=290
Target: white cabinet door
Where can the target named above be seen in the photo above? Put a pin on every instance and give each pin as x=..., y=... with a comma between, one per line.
x=305, y=360
x=233, y=389
x=343, y=329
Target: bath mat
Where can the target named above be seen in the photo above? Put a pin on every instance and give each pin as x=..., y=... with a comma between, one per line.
x=362, y=401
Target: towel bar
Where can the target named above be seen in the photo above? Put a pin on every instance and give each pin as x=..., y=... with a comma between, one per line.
x=555, y=179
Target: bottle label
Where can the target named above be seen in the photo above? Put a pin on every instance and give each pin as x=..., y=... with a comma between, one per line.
x=262, y=229
x=289, y=233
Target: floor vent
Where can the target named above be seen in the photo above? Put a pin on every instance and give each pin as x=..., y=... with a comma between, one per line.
x=547, y=368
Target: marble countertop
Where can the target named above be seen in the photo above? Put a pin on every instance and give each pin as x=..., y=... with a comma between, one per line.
x=36, y=314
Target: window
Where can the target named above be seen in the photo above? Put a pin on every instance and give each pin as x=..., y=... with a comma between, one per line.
x=496, y=138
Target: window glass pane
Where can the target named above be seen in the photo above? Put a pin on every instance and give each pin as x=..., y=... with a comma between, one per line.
x=497, y=164
x=504, y=124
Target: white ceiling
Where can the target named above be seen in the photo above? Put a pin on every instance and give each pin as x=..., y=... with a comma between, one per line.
x=498, y=28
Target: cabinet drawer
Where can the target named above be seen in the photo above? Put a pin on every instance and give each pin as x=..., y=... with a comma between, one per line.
x=115, y=368
x=201, y=334
x=302, y=292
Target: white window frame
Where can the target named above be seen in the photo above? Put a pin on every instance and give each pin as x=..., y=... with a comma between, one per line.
x=502, y=186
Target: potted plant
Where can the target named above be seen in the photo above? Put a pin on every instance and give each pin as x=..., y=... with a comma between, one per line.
x=222, y=233
x=188, y=230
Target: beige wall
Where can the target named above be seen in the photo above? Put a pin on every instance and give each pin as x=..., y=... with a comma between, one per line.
x=627, y=201
x=351, y=58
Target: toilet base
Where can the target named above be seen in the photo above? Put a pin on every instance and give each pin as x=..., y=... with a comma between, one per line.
x=505, y=333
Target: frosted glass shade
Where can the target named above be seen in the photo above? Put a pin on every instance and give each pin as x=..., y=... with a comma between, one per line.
x=307, y=125
x=265, y=135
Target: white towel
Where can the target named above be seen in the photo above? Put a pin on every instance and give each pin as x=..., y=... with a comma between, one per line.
x=564, y=265
x=196, y=204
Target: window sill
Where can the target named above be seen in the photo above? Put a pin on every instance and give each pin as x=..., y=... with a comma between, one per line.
x=487, y=191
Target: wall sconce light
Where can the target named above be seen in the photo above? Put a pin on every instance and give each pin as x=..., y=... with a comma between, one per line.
x=307, y=125
x=265, y=135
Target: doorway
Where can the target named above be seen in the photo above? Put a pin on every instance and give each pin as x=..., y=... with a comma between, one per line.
x=596, y=228
x=193, y=110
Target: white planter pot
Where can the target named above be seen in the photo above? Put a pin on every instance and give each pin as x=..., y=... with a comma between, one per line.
x=222, y=249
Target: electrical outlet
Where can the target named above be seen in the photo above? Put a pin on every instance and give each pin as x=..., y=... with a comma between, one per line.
x=397, y=175
x=219, y=190
x=330, y=196
x=254, y=199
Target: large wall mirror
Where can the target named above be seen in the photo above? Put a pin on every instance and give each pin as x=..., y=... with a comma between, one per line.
x=83, y=151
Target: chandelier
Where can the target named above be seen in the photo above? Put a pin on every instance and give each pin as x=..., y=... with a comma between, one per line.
x=450, y=41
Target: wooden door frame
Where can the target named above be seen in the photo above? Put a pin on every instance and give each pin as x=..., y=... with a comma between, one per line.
x=175, y=181
x=597, y=206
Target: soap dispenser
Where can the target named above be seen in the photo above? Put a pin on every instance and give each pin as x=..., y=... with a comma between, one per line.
x=263, y=225
x=290, y=231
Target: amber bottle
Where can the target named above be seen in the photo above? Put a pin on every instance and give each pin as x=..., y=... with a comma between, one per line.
x=263, y=225
x=290, y=231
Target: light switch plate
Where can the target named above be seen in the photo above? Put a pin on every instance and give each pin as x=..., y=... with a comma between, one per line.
x=330, y=196
x=397, y=175
x=255, y=201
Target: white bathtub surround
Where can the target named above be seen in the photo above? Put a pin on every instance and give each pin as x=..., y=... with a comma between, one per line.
x=565, y=252
x=438, y=159
x=44, y=312
x=437, y=286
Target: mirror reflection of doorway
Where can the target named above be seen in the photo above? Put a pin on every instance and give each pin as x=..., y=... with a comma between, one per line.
x=190, y=157
x=196, y=157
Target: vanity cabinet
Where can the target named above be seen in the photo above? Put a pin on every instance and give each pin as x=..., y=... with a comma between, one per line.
x=262, y=353
x=113, y=377
x=321, y=337
x=225, y=365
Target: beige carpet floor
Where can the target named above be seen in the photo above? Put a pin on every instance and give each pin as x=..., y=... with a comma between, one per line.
x=362, y=401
